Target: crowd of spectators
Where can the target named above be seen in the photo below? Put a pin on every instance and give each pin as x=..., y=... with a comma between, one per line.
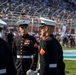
x=14, y=8
x=57, y=10
x=14, y=11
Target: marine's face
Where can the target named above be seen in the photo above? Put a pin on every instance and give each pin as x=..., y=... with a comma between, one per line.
x=43, y=30
x=22, y=29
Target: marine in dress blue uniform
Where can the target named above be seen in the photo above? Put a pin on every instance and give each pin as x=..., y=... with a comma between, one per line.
x=7, y=66
x=51, y=54
x=27, y=50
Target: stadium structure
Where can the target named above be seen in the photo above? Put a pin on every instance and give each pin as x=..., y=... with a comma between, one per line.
x=58, y=10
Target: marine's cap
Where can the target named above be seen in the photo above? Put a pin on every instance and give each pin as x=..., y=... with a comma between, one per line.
x=23, y=23
x=10, y=28
x=47, y=22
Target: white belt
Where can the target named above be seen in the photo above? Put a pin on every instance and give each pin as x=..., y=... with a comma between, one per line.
x=2, y=71
x=21, y=56
x=52, y=65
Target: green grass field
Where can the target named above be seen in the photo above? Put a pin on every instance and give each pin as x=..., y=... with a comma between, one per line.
x=66, y=48
x=70, y=66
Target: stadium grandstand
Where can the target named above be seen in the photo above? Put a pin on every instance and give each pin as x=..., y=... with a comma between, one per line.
x=59, y=10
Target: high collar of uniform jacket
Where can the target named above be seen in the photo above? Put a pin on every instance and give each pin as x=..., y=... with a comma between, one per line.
x=51, y=35
x=48, y=37
x=25, y=35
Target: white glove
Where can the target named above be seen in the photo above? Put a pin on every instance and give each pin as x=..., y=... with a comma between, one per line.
x=29, y=72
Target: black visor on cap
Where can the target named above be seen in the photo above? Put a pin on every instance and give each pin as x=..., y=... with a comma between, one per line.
x=42, y=24
x=23, y=25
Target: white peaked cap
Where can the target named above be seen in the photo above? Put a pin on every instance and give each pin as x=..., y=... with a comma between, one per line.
x=47, y=21
x=23, y=22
